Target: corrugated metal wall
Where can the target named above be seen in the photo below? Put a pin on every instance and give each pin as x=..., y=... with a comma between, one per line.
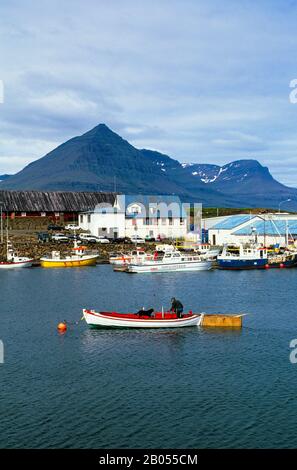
x=52, y=201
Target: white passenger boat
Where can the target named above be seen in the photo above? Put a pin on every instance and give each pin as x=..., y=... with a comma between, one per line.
x=134, y=320
x=171, y=261
x=14, y=261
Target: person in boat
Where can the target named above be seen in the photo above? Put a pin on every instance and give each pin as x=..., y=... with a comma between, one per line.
x=177, y=307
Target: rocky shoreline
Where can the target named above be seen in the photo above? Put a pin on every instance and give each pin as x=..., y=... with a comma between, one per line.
x=28, y=245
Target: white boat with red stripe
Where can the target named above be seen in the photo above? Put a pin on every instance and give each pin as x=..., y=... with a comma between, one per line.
x=136, y=320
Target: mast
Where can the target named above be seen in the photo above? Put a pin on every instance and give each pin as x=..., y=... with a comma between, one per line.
x=7, y=244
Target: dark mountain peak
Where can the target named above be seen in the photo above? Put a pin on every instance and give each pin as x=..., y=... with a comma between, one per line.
x=100, y=130
x=100, y=158
x=103, y=140
x=247, y=169
x=245, y=163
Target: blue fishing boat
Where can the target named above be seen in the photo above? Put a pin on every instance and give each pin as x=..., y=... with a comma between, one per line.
x=241, y=256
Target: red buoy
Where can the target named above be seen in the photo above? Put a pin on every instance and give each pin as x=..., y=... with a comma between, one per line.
x=267, y=266
x=62, y=327
x=282, y=265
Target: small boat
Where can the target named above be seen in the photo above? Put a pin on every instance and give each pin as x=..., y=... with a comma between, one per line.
x=160, y=320
x=208, y=251
x=135, y=320
x=170, y=261
x=283, y=259
x=239, y=256
x=122, y=259
x=78, y=257
x=13, y=260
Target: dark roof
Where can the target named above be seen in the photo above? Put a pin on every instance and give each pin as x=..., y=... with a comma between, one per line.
x=52, y=201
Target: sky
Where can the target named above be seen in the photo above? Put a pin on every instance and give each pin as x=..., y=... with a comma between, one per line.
x=202, y=81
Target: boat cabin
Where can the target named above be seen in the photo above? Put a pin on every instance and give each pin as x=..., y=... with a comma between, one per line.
x=244, y=252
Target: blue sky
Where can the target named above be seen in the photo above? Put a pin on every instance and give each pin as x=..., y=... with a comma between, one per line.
x=203, y=81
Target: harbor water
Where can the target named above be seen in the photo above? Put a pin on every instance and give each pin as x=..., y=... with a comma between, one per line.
x=185, y=388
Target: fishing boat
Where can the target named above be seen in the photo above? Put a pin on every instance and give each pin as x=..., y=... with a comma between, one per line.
x=169, y=261
x=283, y=259
x=79, y=257
x=254, y=256
x=13, y=260
x=239, y=256
x=160, y=320
x=135, y=320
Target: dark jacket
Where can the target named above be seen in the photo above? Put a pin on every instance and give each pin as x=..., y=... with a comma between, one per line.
x=177, y=306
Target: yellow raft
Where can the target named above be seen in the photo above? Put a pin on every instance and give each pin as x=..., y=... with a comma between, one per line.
x=222, y=321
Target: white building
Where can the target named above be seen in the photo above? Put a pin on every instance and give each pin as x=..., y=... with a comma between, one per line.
x=268, y=229
x=145, y=216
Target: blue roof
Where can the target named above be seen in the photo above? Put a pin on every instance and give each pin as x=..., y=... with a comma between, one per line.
x=232, y=222
x=269, y=227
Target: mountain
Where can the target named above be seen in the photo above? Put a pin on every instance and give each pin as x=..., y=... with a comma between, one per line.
x=100, y=160
x=4, y=177
x=97, y=160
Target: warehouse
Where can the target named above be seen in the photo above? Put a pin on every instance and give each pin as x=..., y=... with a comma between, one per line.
x=57, y=205
x=268, y=229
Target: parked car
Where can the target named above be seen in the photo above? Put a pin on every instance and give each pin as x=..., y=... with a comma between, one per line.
x=161, y=238
x=102, y=239
x=148, y=238
x=73, y=236
x=86, y=237
x=43, y=237
x=137, y=239
x=120, y=240
x=55, y=227
x=60, y=238
x=72, y=227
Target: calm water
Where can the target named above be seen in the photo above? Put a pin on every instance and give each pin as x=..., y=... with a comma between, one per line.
x=187, y=388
